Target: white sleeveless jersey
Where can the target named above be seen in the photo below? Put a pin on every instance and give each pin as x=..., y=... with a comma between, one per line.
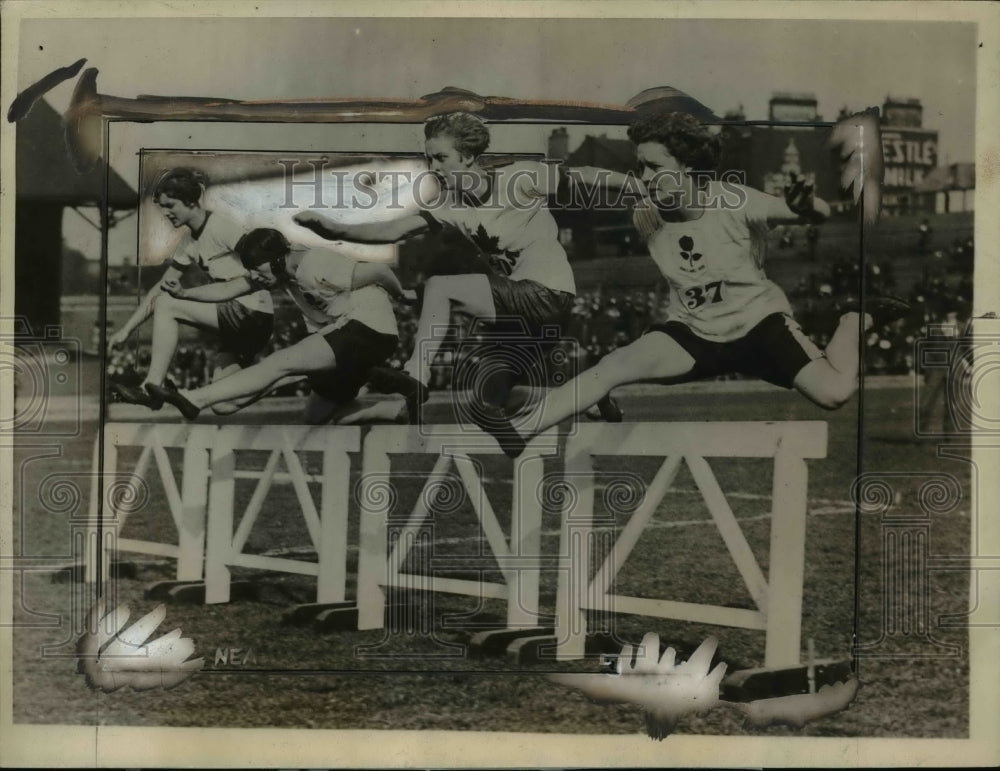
x=513, y=226
x=714, y=266
x=213, y=249
x=320, y=285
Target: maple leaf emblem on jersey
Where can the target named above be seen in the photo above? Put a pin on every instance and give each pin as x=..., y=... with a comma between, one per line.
x=502, y=260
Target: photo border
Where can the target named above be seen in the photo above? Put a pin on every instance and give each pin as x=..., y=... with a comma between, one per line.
x=126, y=746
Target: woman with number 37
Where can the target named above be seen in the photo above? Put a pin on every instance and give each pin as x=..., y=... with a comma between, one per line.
x=708, y=238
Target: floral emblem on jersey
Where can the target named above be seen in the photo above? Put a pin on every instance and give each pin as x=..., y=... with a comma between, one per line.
x=689, y=257
x=501, y=260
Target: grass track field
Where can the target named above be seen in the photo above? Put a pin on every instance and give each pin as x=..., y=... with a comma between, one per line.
x=300, y=678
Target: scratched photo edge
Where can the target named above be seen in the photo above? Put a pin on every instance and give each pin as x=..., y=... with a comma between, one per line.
x=114, y=745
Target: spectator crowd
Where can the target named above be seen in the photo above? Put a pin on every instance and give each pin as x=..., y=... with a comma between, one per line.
x=604, y=318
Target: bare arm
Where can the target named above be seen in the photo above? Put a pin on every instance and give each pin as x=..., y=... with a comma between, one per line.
x=366, y=233
x=595, y=176
x=367, y=273
x=216, y=292
x=145, y=309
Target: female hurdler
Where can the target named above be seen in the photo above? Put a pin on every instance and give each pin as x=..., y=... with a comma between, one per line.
x=708, y=238
x=346, y=308
x=243, y=323
x=504, y=212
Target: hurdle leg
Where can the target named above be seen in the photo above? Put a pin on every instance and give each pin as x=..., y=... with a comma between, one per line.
x=788, y=546
x=194, y=495
x=525, y=539
x=574, y=559
x=376, y=498
x=219, y=541
x=332, y=579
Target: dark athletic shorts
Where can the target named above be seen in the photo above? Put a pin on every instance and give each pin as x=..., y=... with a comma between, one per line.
x=536, y=304
x=357, y=348
x=775, y=350
x=243, y=332
x=517, y=346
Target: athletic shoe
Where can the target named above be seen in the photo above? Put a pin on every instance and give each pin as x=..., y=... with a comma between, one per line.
x=395, y=381
x=883, y=309
x=385, y=411
x=606, y=409
x=609, y=409
x=134, y=395
x=494, y=421
x=168, y=393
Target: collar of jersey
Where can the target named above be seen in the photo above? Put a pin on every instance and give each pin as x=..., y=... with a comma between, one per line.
x=474, y=200
x=196, y=234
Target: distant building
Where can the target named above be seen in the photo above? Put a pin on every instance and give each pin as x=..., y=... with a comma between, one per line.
x=947, y=189
x=598, y=231
x=791, y=106
x=614, y=154
x=559, y=144
x=768, y=156
x=909, y=152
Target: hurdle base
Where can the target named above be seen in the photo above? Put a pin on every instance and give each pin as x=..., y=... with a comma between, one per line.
x=495, y=642
x=193, y=592
x=308, y=613
x=764, y=683
x=161, y=589
x=76, y=573
x=542, y=649
x=343, y=617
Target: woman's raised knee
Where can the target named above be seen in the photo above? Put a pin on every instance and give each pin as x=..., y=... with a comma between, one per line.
x=164, y=303
x=833, y=393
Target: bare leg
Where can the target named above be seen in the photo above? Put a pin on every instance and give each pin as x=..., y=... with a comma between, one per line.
x=226, y=365
x=469, y=293
x=388, y=410
x=235, y=405
x=831, y=381
x=654, y=356
x=167, y=317
x=309, y=355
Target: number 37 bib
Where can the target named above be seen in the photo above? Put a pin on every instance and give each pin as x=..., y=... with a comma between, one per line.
x=714, y=266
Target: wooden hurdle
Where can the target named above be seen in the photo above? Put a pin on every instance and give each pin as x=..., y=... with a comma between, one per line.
x=778, y=597
x=518, y=559
x=326, y=525
x=186, y=505
x=210, y=474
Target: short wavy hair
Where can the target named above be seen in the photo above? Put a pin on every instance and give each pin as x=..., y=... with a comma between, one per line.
x=186, y=185
x=263, y=245
x=468, y=131
x=682, y=135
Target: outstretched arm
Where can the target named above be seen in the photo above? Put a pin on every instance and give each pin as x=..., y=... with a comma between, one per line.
x=366, y=233
x=145, y=309
x=216, y=292
x=594, y=176
x=799, y=203
x=367, y=273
